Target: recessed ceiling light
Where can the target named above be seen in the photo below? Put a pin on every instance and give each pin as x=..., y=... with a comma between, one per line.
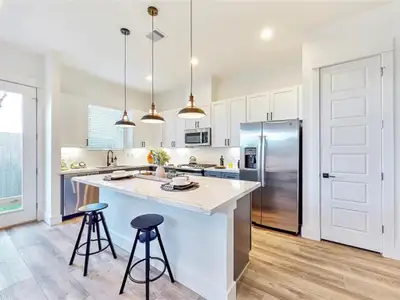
x=148, y=77
x=194, y=61
x=267, y=34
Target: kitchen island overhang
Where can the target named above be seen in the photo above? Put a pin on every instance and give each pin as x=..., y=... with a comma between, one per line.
x=206, y=233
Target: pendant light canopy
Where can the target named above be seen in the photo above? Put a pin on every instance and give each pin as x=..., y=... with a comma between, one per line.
x=191, y=111
x=152, y=116
x=124, y=122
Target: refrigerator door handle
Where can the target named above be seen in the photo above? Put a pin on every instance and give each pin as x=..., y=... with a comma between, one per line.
x=263, y=154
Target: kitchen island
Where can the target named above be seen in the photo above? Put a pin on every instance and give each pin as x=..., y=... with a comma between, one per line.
x=206, y=233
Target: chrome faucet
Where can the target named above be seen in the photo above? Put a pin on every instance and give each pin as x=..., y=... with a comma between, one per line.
x=108, y=158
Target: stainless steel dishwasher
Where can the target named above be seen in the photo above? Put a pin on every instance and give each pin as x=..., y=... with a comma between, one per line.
x=75, y=194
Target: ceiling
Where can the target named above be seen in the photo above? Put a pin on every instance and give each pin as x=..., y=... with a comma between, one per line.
x=226, y=34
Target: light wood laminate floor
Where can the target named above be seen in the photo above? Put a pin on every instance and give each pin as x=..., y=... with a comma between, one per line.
x=34, y=265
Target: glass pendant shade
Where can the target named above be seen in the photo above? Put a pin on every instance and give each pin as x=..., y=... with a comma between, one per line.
x=153, y=117
x=191, y=111
x=124, y=122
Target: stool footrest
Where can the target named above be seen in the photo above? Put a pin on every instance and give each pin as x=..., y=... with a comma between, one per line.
x=95, y=252
x=151, y=279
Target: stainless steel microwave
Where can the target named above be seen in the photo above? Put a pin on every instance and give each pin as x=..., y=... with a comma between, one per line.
x=198, y=137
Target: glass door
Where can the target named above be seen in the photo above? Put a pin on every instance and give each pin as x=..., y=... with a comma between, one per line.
x=17, y=154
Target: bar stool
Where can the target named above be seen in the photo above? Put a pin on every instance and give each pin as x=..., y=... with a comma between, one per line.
x=92, y=217
x=147, y=231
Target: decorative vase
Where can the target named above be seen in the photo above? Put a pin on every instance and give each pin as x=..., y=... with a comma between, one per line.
x=160, y=172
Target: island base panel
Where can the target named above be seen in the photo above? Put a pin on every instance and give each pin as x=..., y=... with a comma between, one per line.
x=200, y=248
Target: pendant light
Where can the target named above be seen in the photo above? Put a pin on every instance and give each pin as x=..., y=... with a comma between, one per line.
x=152, y=116
x=191, y=111
x=124, y=122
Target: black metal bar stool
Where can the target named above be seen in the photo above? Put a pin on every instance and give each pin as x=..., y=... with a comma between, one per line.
x=147, y=231
x=93, y=216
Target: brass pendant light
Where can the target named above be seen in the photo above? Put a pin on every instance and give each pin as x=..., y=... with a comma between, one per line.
x=191, y=111
x=152, y=116
x=124, y=122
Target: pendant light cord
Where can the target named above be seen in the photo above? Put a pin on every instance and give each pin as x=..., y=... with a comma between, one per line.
x=191, y=49
x=152, y=60
x=126, y=46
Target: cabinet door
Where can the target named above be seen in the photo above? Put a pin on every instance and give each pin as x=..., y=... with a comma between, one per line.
x=285, y=103
x=300, y=116
x=140, y=131
x=73, y=134
x=206, y=121
x=190, y=124
x=258, y=107
x=179, y=131
x=169, y=128
x=219, y=124
x=236, y=115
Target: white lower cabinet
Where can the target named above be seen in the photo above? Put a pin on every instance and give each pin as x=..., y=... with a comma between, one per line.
x=226, y=118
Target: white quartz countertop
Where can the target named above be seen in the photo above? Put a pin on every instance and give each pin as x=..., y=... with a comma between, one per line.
x=226, y=170
x=212, y=195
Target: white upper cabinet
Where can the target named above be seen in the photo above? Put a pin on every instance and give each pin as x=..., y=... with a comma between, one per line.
x=200, y=123
x=300, y=102
x=179, y=131
x=284, y=103
x=219, y=122
x=73, y=134
x=258, y=107
x=236, y=115
x=145, y=135
x=169, y=128
x=226, y=118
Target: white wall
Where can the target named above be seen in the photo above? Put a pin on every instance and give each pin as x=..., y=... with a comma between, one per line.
x=367, y=34
x=21, y=66
x=99, y=91
x=273, y=76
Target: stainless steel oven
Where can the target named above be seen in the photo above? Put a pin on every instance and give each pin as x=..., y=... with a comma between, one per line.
x=198, y=137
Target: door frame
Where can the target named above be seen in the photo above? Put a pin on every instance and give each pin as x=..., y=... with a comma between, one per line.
x=388, y=151
x=19, y=88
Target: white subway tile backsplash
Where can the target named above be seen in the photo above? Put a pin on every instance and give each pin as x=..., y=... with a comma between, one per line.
x=138, y=156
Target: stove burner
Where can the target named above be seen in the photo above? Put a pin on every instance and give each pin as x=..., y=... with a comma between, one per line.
x=196, y=166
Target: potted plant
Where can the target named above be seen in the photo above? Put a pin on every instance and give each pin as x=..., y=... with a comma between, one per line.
x=160, y=158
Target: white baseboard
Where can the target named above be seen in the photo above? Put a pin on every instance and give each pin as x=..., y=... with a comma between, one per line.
x=198, y=284
x=310, y=233
x=52, y=220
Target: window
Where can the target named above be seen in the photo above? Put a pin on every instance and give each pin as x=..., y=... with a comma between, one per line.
x=102, y=134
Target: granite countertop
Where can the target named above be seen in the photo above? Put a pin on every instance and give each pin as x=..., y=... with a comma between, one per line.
x=227, y=170
x=212, y=195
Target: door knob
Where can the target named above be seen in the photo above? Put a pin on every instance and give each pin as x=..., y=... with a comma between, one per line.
x=327, y=175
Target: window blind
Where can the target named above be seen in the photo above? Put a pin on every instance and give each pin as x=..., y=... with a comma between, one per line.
x=102, y=134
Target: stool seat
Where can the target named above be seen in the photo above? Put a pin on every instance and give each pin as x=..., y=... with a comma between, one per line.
x=147, y=222
x=93, y=207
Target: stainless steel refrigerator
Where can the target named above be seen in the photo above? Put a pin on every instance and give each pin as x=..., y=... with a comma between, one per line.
x=270, y=153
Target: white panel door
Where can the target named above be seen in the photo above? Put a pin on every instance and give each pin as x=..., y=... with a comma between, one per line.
x=237, y=115
x=219, y=123
x=285, y=104
x=17, y=154
x=258, y=107
x=351, y=112
x=206, y=121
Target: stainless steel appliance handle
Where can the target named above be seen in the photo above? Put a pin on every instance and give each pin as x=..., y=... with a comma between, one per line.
x=263, y=154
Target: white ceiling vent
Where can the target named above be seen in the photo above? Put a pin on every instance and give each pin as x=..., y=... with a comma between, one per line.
x=157, y=36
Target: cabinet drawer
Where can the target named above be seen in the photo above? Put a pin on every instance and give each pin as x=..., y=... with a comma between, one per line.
x=230, y=175
x=213, y=174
